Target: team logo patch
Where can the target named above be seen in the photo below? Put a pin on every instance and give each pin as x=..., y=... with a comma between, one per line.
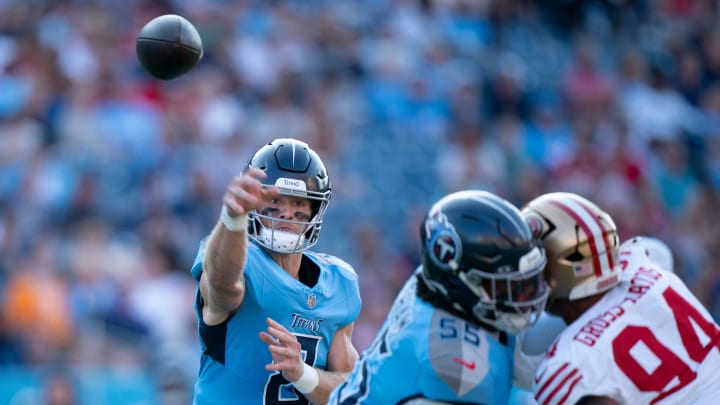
x=443, y=245
x=538, y=224
x=311, y=300
x=535, y=224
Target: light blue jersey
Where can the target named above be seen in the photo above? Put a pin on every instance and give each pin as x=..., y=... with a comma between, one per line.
x=232, y=368
x=424, y=352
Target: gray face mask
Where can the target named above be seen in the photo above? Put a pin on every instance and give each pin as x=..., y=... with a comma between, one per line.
x=265, y=224
x=264, y=230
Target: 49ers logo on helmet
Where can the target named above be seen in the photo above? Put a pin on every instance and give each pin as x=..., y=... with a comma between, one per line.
x=538, y=225
x=444, y=245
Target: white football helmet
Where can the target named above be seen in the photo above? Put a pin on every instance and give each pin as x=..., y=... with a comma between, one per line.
x=581, y=244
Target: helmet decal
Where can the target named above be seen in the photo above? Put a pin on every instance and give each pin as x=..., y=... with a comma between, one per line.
x=292, y=184
x=580, y=270
x=294, y=145
x=532, y=260
x=443, y=244
x=601, y=249
x=539, y=225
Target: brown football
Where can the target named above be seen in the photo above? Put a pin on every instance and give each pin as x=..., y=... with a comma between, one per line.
x=168, y=46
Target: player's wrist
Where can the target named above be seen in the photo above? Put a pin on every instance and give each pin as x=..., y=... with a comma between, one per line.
x=308, y=381
x=233, y=224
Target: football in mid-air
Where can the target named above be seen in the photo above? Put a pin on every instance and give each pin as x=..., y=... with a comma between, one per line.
x=168, y=46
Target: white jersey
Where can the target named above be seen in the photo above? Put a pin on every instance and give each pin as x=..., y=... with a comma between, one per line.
x=648, y=340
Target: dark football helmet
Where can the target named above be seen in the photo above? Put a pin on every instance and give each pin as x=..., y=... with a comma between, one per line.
x=296, y=170
x=480, y=255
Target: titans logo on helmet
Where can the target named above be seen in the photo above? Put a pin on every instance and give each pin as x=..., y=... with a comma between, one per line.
x=444, y=245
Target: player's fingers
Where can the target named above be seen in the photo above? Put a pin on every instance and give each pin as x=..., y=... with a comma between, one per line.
x=256, y=173
x=275, y=337
x=268, y=339
x=233, y=206
x=279, y=330
x=249, y=181
x=269, y=193
x=249, y=185
x=276, y=366
x=285, y=337
x=239, y=201
x=282, y=351
x=275, y=324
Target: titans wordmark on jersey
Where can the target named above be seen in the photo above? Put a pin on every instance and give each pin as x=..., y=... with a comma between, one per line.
x=232, y=367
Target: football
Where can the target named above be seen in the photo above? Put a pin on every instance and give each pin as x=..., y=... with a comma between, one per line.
x=168, y=46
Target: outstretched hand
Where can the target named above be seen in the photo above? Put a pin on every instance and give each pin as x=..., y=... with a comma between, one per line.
x=285, y=350
x=246, y=193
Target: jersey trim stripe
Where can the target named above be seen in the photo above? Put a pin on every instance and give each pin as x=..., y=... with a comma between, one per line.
x=567, y=381
x=562, y=386
x=549, y=380
x=570, y=388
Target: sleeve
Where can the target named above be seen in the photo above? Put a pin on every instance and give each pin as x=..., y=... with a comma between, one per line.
x=345, y=279
x=197, y=267
x=354, y=301
x=558, y=382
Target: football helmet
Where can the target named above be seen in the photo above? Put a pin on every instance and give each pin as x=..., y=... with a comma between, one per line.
x=581, y=243
x=296, y=170
x=480, y=256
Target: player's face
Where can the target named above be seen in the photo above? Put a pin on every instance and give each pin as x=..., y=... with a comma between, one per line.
x=295, y=209
x=520, y=291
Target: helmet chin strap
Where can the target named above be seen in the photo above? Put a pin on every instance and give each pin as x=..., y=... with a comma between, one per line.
x=280, y=241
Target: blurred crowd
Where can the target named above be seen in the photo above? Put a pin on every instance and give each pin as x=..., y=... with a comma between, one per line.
x=110, y=178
